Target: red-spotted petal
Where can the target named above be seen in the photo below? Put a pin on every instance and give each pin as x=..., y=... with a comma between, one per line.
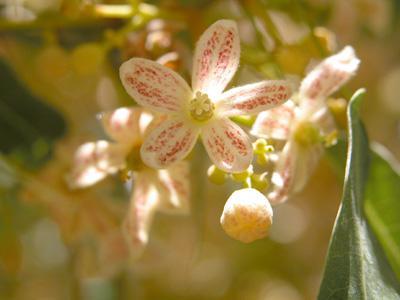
x=143, y=204
x=329, y=76
x=95, y=160
x=283, y=176
x=253, y=98
x=275, y=123
x=154, y=86
x=126, y=124
x=174, y=187
x=293, y=170
x=169, y=142
x=216, y=58
x=227, y=145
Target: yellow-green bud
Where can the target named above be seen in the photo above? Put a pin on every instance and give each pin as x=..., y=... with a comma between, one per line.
x=87, y=58
x=259, y=181
x=262, y=159
x=216, y=175
x=240, y=177
x=259, y=146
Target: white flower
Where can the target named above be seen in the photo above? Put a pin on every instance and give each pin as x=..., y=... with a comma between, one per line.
x=166, y=190
x=303, y=124
x=203, y=109
x=247, y=215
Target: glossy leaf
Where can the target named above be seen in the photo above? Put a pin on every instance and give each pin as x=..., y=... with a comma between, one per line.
x=356, y=266
x=382, y=203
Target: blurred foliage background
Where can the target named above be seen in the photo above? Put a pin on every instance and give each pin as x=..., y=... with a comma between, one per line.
x=59, y=63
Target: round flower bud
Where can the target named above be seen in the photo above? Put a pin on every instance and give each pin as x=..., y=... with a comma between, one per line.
x=87, y=58
x=247, y=215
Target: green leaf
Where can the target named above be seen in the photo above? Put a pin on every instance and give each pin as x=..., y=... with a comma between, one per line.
x=356, y=266
x=336, y=156
x=382, y=203
x=27, y=125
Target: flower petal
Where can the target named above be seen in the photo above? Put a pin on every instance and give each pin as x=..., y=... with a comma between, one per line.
x=283, y=176
x=293, y=170
x=253, y=98
x=154, y=86
x=227, y=145
x=143, y=205
x=126, y=124
x=329, y=75
x=216, y=58
x=324, y=120
x=275, y=123
x=174, y=186
x=95, y=160
x=169, y=142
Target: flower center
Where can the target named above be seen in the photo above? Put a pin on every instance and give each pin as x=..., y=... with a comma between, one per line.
x=201, y=108
x=306, y=134
x=133, y=160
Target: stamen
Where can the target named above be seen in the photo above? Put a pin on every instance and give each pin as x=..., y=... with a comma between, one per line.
x=201, y=108
x=306, y=134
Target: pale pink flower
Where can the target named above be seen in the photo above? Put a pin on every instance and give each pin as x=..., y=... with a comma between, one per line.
x=165, y=190
x=204, y=109
x=303, y=123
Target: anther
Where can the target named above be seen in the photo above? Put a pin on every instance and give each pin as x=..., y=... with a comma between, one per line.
x=201, y=108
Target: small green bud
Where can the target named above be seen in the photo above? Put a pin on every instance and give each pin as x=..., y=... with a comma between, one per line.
x=259, y=181
x=240, y=177
x=262, y=159
x=216, y=175
x=259, y=146
x=247, y=183
x=269, y=148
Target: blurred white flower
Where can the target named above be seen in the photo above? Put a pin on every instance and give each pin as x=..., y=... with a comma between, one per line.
x=290, y=32
x=17, y=12
x=303, y=124
x=166, y=190
x=389, y=90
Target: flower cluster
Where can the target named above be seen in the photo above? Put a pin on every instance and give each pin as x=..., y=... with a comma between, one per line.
x=204, y=109
x=305, y=125
x=151, y=143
